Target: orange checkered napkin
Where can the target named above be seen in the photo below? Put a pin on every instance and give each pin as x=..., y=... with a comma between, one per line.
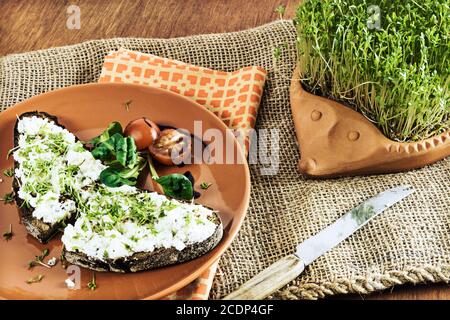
x=234, y=97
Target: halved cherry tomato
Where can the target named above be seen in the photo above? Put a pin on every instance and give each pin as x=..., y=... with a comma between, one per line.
x=143, y=131
x=171, y=147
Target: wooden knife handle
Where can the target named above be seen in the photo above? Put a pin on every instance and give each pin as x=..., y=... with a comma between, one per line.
x=269, y=280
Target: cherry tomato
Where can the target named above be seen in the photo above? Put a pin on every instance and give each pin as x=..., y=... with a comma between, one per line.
x=143, y=131
x=171, y=147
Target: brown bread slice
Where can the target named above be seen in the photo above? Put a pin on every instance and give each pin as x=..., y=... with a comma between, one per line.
x=149, y=260
x=36, y=227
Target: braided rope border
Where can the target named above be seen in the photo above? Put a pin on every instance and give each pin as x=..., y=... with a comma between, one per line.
x=366, y=285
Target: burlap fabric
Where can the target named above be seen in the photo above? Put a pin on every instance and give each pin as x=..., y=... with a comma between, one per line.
x=409, y=243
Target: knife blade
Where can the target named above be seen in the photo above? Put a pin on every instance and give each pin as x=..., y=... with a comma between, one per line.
x=288, y=268
x=317, y=245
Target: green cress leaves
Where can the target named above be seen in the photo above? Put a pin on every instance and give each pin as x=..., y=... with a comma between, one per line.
x=121, y=156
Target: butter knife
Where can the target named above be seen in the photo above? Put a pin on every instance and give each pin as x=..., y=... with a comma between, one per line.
x=288, y=268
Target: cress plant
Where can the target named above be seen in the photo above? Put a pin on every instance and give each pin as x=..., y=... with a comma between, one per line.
x=397, y=75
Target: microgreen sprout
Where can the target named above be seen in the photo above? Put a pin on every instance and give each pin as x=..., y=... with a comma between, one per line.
x=9, y=234
x=35, y=279
x=93, y=283
x=10, y=152
x=8, y=198
x=39, y=260
x=277, y=53
x=281, y=11
x=128, y=104
x=9, y=172
x=63, y=260
x=205, y=185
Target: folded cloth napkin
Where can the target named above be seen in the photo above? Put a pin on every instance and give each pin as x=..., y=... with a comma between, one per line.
x=234, y=97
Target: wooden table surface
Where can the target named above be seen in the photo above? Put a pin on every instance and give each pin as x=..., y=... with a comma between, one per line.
x=31, y=25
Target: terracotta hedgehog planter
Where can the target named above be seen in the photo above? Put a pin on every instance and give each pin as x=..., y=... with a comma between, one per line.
x=335, y=140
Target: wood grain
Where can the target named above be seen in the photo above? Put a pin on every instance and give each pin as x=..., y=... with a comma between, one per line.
x=31, y=25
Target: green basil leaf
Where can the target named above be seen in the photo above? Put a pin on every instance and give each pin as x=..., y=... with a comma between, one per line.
x=176, y=186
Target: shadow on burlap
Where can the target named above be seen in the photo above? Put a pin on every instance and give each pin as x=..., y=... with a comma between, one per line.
x=409, y=243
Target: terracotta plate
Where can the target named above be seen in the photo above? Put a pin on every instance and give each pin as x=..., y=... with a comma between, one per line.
x=86, y=110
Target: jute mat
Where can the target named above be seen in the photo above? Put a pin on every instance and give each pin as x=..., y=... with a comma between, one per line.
x=409, y=243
